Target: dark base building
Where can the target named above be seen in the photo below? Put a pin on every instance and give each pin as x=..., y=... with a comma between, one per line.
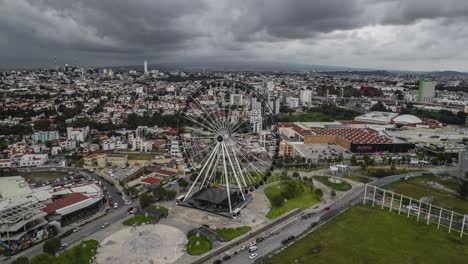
x=215, y=200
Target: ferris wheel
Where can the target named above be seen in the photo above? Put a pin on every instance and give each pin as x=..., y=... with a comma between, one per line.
x=228, y=139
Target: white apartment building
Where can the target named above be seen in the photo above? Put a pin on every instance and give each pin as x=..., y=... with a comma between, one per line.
x=5, y=163
x=256, y=120
x=140, y=144
x=305, y=97
x=175, y=151
x=293, y=102
x=68, y=144
x=44, y=136
x=29, y=160
x=78, y=134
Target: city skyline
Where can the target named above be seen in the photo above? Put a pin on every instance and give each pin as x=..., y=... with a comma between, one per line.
x=393, y=35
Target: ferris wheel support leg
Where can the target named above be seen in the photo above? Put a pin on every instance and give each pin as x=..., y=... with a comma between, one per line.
x=201, y=172
x=227, y=181
x=238, y=166
x=234, y=171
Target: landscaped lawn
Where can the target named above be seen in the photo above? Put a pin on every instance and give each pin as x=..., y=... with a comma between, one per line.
x=342, y=186
x=357, y=178
x=231, y=233
x=303, y=200
x=140, y=156
x=198, y=245
x=383, y=172
x=426, y=187
x=138, y=218
x=79, y=254
x=158, y=208
x=371, y=235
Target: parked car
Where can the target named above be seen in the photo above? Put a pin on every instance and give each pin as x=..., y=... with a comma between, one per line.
x=105, y=225
x=116, y=205
x=227, y=257
x=252, y=243
x=63, y=246
x=218, y=261
x=253, y=255
x=253, y=248
x=76, y=229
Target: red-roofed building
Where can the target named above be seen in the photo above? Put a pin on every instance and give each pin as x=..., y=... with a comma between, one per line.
x=64, y=201
x=150, y=180
x=358, y=140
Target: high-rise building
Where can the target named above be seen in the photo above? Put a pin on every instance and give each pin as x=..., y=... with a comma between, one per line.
x=305, y=97
x=426, y=91
x=145, y=66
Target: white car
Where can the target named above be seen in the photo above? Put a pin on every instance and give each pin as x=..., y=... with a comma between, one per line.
x=253, y=248
x=253, y=255
x=128, y=202
x=116, y=205
x=252, y=243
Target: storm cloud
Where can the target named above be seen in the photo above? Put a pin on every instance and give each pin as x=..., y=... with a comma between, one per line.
x=385, y=34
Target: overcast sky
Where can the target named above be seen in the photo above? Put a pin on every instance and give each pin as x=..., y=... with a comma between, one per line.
x=382, y=34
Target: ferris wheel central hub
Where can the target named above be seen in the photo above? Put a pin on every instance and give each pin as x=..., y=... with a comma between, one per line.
x=220, y=138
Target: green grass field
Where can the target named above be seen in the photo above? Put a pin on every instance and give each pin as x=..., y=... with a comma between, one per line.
x=424, y=187
x=198, y=245
x=342, y=187
x=158, y=208
x=303, y=200
x=231, y=233
x=138, y=218
x=356, y=178
x=370, y=235
x=383, y=172
x=140, y=156
x=80, y=254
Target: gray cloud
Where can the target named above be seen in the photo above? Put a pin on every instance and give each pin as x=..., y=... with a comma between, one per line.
x=362, y=33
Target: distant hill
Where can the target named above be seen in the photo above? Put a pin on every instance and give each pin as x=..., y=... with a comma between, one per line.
x=448, y=74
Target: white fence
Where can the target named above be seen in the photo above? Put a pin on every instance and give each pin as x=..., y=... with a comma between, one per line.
x=421, y=210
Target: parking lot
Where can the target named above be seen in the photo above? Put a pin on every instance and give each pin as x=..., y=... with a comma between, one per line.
x=318, y=152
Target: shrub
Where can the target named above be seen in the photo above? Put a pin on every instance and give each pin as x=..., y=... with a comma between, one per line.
x=51, y=246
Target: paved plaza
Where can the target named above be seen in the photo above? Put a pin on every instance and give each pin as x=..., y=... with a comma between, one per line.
x=148, y=244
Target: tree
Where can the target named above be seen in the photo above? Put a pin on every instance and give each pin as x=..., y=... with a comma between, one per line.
x=284, y=174
x=183, y=183
x=353, y=160
x=333, y=193
x=42, y=259
x=146, y=200
x=277, y=201
x=340, y=158
x=319, y=192
x=51, y=246
x=132, y=191
x=21, y=260
x=393, y=168
x=296, y=174
x=379, y=106
x=463, y=189
x=42, y=124
x=366, y=160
